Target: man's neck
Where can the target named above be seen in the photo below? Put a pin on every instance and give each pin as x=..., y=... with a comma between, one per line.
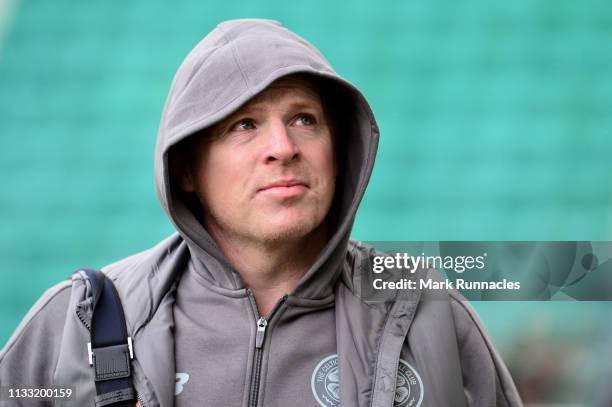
x=271, y=270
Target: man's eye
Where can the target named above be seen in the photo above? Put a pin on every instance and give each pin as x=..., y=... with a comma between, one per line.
x=305, y=120
x=244, y=124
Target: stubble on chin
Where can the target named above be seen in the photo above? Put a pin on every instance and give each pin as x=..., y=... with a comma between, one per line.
x=262, y=229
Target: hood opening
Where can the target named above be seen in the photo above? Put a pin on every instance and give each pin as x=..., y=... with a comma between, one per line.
x=337, y=106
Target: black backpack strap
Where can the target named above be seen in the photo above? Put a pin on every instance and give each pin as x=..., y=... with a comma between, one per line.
x=110, y=349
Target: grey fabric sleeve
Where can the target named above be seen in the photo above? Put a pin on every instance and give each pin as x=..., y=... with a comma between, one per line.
x=486, y=379
x=31, y=353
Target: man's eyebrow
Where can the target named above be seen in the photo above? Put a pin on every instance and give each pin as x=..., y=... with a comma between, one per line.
x=313, y=104
x=302, y=103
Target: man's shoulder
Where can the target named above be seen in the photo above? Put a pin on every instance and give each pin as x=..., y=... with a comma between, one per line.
x=360, y=250
x=43, y=316
x=359, y=265
x=49, y=311
x=358, y=260
x=142, y=262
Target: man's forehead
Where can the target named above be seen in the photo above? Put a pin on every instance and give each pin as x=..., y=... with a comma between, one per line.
x=291, y=88
x=296, y=91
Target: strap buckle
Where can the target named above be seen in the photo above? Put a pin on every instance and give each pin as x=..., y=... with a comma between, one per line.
x=90, y=352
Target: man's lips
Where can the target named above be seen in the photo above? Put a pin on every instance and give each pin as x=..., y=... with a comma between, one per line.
x=288, y=185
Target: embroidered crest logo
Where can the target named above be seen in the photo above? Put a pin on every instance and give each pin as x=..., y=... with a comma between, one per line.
x=409, y=386
x=325, y=382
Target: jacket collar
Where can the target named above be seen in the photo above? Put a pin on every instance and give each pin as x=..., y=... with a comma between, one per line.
x=148, y=298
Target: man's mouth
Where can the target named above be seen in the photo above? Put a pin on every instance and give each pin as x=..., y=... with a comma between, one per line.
x=284, y=188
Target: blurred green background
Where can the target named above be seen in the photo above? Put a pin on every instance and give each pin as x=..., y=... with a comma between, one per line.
x=495, y=117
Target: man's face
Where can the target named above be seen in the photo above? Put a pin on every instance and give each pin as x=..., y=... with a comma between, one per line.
x=267, y=173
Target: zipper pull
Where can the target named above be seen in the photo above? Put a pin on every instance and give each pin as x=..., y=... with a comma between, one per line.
x=262, y=323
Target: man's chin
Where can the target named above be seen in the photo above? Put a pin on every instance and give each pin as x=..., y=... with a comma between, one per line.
x=277, y=232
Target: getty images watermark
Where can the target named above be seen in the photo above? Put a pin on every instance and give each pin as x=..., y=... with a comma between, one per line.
x=490, y=270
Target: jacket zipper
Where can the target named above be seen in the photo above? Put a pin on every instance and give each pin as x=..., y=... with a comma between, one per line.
x=83, y=319
x=140, y=400
x=261, y=324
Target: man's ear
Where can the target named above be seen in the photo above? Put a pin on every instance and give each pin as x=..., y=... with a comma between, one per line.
x=336, y=154
x=186, y=181
x=180, y=168
x=335, y=167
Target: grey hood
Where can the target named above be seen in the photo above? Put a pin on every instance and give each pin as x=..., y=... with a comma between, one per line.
x=233, y=63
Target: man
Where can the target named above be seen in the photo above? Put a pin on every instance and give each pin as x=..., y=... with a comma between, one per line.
x=263, y=156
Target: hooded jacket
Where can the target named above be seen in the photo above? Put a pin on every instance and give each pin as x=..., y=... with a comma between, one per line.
x=410, y=351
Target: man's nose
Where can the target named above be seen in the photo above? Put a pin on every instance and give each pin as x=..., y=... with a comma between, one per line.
x=280, y=144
